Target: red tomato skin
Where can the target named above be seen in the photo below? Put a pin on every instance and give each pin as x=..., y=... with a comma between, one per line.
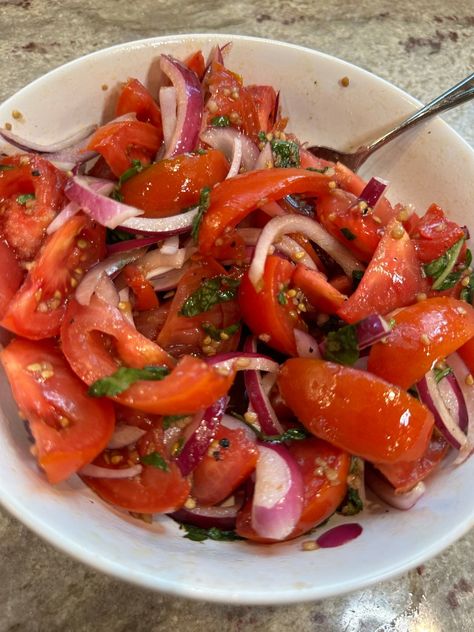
x=36, y=310
x=153, y=491
x=356, y=411
x=467, y=354
x=423, y=333
x=405, y=475
x=46, y=401
x=143, y=291
x=264, y=98
x=264, y=314
x=23, y=226
x=317, y=289
x=233, y=199
x=134, y=97
x=225, y=468
x=11, y=277
x=321, y=496
x=196, y=63
x=392, y=279
x=433, y=234
x=169, y=186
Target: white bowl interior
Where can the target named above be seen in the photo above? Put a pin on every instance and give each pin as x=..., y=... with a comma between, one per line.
x=432, y=164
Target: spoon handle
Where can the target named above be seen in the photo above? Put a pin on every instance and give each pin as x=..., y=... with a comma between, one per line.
x=460, y=93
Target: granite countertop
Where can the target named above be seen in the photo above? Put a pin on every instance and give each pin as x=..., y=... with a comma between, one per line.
x=423, y=47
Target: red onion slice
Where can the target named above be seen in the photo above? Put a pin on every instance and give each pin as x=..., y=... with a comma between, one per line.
x=337, y=536
x=279, y=226
x=156, y=262
x=168, y=101
x=382, y=488
x=170, y=246
x=444, y=421
x=235, y=424
x=278, y=495
x=197, y=445
x=243, y=361
x=370, y=330
x=62, y=217
x=461, y=372
x=104, y=210
x=236, y=159
x=189, y=106
x=208, y=517
x=373, y=191
x=293, y=250
x=27, y=145
x=225, y=139
x=95, y=471
x=106, y=291
x=265, y=158
x=306, y=345
x=169, y=280
x=161, y=227
x=125, y=305
x=125, y=435
x=131, y=244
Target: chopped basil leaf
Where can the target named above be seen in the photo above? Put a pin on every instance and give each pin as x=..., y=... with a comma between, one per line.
x=116, y=195
x=467, y=293
x=113, y=236
x=286, y=153
x=129, y=173
x=23, y=199
x=292, y=434
x=155, y=460
x=204, y=201
x=282, y=297
x=439, y=374
x=219, y=289
x=357, y=277
x=262, y=137
x=7, y=167
x=197, y=534
x=342, y=345
x=441, y=269
x=323, y=170
x=215, y=333
x=468, y=259
x=220, y=121
x=123, y=378
x=347, y=234
x=170, y=420
x=352, y=503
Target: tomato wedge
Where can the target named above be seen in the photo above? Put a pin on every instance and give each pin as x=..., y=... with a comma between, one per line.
x=322, y=496
x=134, y=97
x=37, y=309
x=433, y=234
x=233, y=199
x=231, y=459
x=169, y=186
x=11, y=277
x=320, y=293
x=196, y=63
x=186, y=334
x=356, y=411
x=192, y=384
x=143, y=291
x=154, y=490
x=31, y=195
x=121, y=142
x=269, y=313
x=424, y=333
x=70, y=429
x=392, y=279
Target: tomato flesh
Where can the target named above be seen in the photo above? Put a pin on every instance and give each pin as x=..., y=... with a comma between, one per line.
x=11, y=277
x=70, y=429
x=423, y=333
x=134, y=97
x=433, y=234
x=317, y=289
x=356, y=411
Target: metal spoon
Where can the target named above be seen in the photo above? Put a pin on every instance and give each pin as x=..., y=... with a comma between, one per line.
x=460, y=93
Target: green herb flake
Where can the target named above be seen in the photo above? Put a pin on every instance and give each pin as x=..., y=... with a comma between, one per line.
x=342, y=346
x=216, y=334
x=204, y=202
x=170, y=420
x=220, y=121
x=130, y=172
x=449, y=281
x=439, y=374
x=292, y=434
x=155, y=460
x=123, y=378
x=282, y=297
x=114, y=236
x=116, y=195
x=352, y=503
x=357, y=277
x=197, y=534
x=348, y=234
x=441, y=269
x=262, y=137
x=219, y=289
x=322, y=170
x=468, y=258
x=26, y=197
x=7, y=167
x=286, y=153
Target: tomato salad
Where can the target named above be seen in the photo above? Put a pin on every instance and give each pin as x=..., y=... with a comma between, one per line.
x=212, y=323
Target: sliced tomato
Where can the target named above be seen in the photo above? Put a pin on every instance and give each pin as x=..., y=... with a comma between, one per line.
x=392, y=280
x=433, y=234
x=70, y=429
x=356, y=411
x=423, y=333
x=150, y=322
x=231, y=459
x=154, y=490
x=320, y=293
x=230, y=98
x=171, y=185
x=233, y=199
x=143, y=291
x=191, y=385
x=37, y=309
x=134, y=97
x=405, y=475
x=121, y=142
x=467, y=354
x=185, y=334
x=23, y=221
x=322, y=496
x=196, y=63
x=11, y=277
x=269, y=313
x=264, y=98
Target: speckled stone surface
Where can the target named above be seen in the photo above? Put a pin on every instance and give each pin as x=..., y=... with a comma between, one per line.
x=423, y=47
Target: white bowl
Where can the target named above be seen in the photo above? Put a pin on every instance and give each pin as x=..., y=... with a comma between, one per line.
x=431, y=164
